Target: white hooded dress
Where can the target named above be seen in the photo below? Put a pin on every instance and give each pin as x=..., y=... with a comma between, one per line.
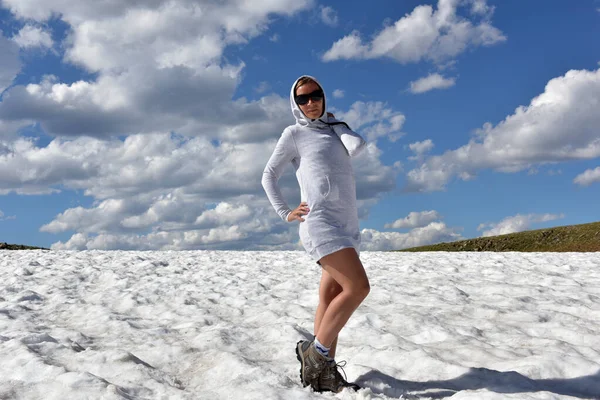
x=320, y=154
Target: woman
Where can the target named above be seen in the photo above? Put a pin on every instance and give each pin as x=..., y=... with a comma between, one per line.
x=319, y=147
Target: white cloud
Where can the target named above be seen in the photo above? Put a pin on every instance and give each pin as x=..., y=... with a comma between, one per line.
x=424, y=228
x=588, y=177
x=415, y=220
x=329, y=16
x=262, y=87
x=174, y=212
x=420, y=148
x=425, y=34
x=517, y=223
x=533, y=135
x=6, y=218
x=177, y=221
x=431, y=82
x=373, y=178
x=435, y=232
x=9, y=62
x=114, y=35
x=224, y=237
x=374, y=119
x=224, y=214
x=78, y=242
x=33, y=36
x=348, y=47
x=146, y=101
x=159, y=66
x=338, y=93
x=480, y=7
x=554, y=172
x=275, y=38
x=139, y=164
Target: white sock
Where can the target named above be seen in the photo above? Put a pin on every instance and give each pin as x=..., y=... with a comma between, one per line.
x=321, y=348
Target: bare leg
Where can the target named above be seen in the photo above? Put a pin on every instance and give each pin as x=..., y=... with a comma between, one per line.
x=345, y=268
x=328, y=290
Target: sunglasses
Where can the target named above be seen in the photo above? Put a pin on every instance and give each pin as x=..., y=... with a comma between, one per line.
x=302, y=99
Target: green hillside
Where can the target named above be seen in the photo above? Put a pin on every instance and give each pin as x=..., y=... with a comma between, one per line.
x=580, y=238
x=6, y=246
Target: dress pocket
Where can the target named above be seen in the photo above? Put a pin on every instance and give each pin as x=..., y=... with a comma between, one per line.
x=325, y=186
x=318, y=188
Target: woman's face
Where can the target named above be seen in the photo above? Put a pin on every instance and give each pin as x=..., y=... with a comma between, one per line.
x=313, y=109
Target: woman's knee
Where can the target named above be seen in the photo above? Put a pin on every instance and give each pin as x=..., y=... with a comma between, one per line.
x=358, y=289
x=363, y=288
x=329, y=292
x=345, y=268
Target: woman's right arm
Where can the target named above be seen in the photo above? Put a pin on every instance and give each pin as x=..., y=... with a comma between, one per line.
x=285, y=151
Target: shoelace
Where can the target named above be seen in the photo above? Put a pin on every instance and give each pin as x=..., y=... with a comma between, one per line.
x=341, y=366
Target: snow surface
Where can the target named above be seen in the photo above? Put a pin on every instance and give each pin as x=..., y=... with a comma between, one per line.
x=223, y=325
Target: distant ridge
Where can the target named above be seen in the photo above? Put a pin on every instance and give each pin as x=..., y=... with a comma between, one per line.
x=577, y=238
x=6, y=246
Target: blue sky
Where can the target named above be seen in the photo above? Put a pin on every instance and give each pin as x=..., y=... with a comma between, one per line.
x=128, y=126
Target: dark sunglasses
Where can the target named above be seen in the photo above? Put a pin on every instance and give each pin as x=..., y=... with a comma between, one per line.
x=302, y=99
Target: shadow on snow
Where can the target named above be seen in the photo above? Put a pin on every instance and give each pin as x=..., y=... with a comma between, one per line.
x=585, y=387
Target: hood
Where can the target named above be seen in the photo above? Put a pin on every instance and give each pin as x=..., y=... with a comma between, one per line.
x=299, y=115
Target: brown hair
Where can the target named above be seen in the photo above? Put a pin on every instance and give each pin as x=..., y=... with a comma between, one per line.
x=303, y=81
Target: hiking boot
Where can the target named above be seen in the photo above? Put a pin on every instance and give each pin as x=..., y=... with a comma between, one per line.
x=331, y=380
x=311, y=363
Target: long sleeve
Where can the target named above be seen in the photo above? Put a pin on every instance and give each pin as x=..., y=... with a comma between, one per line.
x=353, y=142
x=285, y=151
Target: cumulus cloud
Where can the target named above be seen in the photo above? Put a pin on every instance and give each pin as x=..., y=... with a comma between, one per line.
x=142, y=101
x=33, y=36
x=139, y=164
x=4, y=217
x=373, y=178
x=166, y=32
x=424, y=229
x=338, y=93
x=152, y=241
x=588, y=177
x=517, y=223
x=262, y=87
x=532, y=135
x=9, y=62
x=159, y=66
x=431, y=82
x=329, y=16
x=375, y=119
x=420, y=148
x=437, y=35
x=415, y=220
x=435, y=232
